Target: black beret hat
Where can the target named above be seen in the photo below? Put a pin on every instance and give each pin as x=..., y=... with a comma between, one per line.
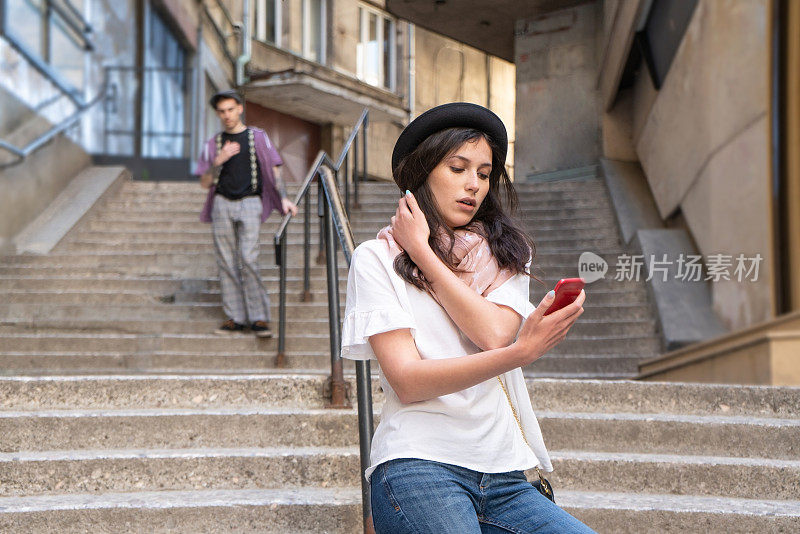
x=446, y=116
x=222, y=95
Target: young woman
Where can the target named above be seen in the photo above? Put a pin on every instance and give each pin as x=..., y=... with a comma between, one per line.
x=440, y=298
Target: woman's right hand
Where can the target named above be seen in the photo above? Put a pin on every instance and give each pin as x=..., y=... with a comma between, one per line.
x=539, y=334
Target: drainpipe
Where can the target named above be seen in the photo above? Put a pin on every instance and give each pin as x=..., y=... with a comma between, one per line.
x=247, y=46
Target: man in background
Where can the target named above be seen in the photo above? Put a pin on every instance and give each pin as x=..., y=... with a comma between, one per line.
x=241, y=169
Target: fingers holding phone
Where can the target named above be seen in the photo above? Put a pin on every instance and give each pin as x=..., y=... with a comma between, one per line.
x=548, y=325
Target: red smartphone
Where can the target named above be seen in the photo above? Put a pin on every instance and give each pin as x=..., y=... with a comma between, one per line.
x=567, y=290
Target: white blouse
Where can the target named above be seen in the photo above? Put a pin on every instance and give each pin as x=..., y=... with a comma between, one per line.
x=473, y=428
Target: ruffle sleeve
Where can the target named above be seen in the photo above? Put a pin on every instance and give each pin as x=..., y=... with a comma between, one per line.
x=514, y=294
x=376, y=301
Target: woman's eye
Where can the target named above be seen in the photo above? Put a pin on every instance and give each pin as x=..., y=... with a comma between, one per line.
x=483, y=176
x=456, y=169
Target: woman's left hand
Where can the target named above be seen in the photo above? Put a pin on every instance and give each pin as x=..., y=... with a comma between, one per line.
x=410, y=227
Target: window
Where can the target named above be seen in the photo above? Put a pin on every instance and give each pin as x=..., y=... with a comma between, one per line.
x=294, y=25
x=50, y=34
x=375, y=55
x=662, y=35
x=166, y=91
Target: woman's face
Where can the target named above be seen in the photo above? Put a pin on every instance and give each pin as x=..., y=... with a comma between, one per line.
x=460, y=182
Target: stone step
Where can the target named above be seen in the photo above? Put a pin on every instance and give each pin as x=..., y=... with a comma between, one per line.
x=699, y=435
x=666, y=398
x=189, y=210
x=259, y=426
x=585, y=365
x=676, y=474
x=153, y=363
x=42, y=430
x=104, y=340
x=70, y=340
x=177, y=267
x=177, y=319
x=160, y=286
x=110, y=239
x=41, y=280
x=45, y=363
x=290, y=388
x=300, y=510
x=361, y=221
x=369, y=202
x=298, y=313
x=120, y=470
x=280, y=389
x=176, y=255
x=169, y=291
x=338, y=510
x=365, y=195
x=117, y=228
x=586, y=181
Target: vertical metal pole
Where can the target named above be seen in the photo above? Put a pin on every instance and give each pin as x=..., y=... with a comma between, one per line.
x=280, y=359
x=321, y=213
x=365, y=427
x=356, y=161
x=336, y=381
x=363, y=154
x=346, y=176
x=306, y=296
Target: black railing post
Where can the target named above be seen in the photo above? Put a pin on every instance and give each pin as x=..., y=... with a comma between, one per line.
x=346, y=175
x=365, y=428
x=321, y=213
x=363, y=155
x=336, y=383
x=334, y=225
x=306, y=296
x=356, y=152
x=280, y=358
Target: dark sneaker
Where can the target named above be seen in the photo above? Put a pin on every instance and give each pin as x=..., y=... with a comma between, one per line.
x=229, y=327
x=261, y=329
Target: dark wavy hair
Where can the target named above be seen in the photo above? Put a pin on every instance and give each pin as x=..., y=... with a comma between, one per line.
x=510, y=246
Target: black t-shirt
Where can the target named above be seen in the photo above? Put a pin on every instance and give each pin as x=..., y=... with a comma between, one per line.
x=235, y=176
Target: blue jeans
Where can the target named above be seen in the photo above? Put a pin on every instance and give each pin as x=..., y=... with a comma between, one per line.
x=412, y=496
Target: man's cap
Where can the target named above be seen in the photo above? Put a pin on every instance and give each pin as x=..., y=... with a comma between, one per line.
x=223, y=95
x=454, y=114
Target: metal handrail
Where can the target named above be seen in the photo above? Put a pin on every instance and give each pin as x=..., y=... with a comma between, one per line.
x=72, y=18
x=75, y=13
x=335, y=220
x=40, y=141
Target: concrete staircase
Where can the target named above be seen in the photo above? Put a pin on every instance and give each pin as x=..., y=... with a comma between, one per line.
x=259, y=453
x=121, y=411
x=143, y=267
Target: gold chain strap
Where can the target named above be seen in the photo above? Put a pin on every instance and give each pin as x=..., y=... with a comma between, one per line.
x=513, y=411
x=253, y=163
x=544, y=482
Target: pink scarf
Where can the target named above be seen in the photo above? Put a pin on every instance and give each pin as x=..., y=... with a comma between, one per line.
x=476, y=266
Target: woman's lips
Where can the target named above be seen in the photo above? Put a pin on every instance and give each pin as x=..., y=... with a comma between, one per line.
x=466, y=204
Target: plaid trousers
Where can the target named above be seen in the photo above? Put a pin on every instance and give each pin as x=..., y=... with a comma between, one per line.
x=235, y=225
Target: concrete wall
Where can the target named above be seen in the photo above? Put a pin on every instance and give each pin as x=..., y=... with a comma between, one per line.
x=449, y=71
x=557, y=112
x=703, y=142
